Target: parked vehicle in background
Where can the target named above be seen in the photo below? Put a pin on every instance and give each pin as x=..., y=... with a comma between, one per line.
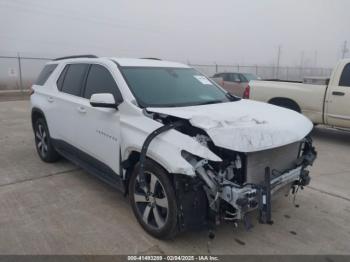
x=322, y=104
x=235, y=83
x=187, y=153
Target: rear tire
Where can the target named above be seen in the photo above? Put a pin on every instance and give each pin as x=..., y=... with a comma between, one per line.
x=153, y=201
x=43, y=142
x=286, y=103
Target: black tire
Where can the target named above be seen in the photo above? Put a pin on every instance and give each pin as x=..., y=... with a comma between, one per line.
x=155, y=216
x=43, y=142
x=286, y=103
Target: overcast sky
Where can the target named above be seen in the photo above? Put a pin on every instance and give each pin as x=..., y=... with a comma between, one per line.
x=198, y=31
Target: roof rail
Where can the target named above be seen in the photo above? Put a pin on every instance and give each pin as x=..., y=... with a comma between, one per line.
x=75, y=56
x=151, y=58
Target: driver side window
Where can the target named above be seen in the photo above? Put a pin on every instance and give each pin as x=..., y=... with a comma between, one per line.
x=345, y=76
x=100, y=80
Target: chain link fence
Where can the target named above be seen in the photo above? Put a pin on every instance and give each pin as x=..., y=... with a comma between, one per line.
x=19, y=73
x=267, y=72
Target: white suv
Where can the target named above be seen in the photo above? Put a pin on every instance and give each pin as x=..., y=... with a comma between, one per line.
x=187, y=153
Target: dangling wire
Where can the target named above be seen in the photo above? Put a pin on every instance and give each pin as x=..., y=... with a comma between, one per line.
x=295, y=195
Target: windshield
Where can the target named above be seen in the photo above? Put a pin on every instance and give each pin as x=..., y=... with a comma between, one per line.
x=165, y=87
x=251, y=77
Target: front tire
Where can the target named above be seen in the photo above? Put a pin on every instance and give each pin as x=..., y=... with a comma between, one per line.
x=153, y=200
x=43, y=142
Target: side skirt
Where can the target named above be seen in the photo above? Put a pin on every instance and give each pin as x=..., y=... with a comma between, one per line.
x=89, y=164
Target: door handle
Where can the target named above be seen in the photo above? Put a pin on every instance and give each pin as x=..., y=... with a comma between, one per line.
x=50, y=99
x=336, y=93
x=82, y=109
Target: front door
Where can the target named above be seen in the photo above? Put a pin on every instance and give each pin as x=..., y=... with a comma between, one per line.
x=99, y=128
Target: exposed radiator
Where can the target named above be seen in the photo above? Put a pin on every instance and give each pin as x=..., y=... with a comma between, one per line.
x=278, y=159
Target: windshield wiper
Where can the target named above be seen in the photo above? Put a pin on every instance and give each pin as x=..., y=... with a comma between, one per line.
x=210, y=102
x=232, y=97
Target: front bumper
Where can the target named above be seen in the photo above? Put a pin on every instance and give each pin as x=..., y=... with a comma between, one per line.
x=250, y=197
x=258, y=196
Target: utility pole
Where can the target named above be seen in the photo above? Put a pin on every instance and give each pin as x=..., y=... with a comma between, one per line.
x=302, y=59
x=301, y=65
x=278, y=60
x=315, y=59
x=20, y=72
x=344, y=49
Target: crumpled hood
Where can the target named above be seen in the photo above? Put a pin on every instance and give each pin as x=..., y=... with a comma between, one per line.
x=244, y=125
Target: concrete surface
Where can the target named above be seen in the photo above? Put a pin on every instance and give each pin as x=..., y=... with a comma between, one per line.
x=60, y=209
x=13, y=95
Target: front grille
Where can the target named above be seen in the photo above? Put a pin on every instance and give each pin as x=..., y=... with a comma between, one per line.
x=278, y=159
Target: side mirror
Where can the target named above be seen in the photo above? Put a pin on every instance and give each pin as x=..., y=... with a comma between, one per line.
x=103, y=100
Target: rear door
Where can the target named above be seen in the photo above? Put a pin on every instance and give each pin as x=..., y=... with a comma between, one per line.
x=227, y=84
x=99, y=128
x=233, y=84
x=338, y=99
x=43, y=97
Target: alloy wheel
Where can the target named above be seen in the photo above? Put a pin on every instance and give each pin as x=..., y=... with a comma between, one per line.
x=151, y=200
x=41, y=140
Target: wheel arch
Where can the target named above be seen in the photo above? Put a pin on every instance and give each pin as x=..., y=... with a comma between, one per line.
x=286, y=103
x=36, y=114
x=130, y=162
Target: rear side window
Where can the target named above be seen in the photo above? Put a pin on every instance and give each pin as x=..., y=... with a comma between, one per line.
x=99, y=80
x=61, y=78
x=73, y=79
x=45, y=74
x=226, y=77
x=235, y=78
x=345, y=76
x=243, y=78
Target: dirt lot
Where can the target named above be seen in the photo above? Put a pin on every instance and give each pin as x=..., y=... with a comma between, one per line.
x=60, y=209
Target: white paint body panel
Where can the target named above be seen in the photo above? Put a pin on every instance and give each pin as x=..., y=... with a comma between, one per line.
x=245, y=126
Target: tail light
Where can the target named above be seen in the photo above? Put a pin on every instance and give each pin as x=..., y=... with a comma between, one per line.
x=246, y=92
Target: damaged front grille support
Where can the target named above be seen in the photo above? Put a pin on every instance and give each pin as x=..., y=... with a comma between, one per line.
x=211, y=186
x=265, y=199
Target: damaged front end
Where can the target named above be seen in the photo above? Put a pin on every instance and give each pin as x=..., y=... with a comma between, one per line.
x=228, y=190
x=241, y=183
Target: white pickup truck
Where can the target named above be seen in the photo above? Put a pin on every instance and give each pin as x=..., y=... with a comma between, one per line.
x=322, y=104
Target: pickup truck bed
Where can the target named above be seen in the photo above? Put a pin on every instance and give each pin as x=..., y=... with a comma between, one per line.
x=308, y=99
x=322, y=104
